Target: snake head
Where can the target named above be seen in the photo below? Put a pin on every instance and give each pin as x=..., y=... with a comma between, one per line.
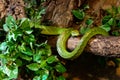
x=75, y=33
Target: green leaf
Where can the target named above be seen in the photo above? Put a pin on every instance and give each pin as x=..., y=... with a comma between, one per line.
x=18, y=62
x=61, y=78
x=25, y=24
x=115, y=33
x=25, y=57
x=106, y=19
x=10, y=21
x=27, y=51
x=111, y=21
x=43, y=64
x=2, y=56
x=29, y=31
x=34, y=66
x=37, y=56
x=21, y=47
x=89, y=22
x=79, y=14
x=45, y=50
x=5, y=28
x=106, y=27
x=18, y=33
x=11, y=36
x=60, y=68
x=7, y=79
x=37, y=78
x=2, y=75
x=3, y=46
x=43, y=75
x=86, y=6
x=11, y=73
x=52, y=59
x=29, y=38
x=11, y=46
x=83, y=30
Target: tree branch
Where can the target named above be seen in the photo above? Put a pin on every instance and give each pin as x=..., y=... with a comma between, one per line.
x=99, y=45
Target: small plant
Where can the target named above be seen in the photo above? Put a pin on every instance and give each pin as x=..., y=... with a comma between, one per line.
x=34, y=11
x=79, y=14
x=87, y=26
x=20, y=52
x=111, y=21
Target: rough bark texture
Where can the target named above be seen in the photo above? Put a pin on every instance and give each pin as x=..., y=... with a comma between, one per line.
x=12, y=7
x=99, y=45
x=58, y=12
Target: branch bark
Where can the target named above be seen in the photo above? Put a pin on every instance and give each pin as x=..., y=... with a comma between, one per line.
x=12, y=7
x=99, y=45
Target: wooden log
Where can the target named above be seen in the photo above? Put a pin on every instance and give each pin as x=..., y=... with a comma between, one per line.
x=99, y=45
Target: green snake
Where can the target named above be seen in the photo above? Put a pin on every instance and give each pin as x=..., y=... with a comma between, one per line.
x=65, y=33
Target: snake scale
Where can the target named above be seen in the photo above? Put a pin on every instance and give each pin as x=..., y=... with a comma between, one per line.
x=65, y=33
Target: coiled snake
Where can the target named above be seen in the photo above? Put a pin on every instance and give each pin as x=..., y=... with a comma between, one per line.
x=65, y=33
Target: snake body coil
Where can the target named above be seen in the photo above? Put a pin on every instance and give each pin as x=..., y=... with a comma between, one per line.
x=61, y=42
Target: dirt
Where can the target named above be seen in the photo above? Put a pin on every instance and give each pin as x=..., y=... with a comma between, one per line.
x=90, y=67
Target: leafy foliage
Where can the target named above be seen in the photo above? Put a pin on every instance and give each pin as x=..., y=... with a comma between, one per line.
x=79, y=14
x=111, y=21
x=34, y=10
x=21, y=50
x=88, y=23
